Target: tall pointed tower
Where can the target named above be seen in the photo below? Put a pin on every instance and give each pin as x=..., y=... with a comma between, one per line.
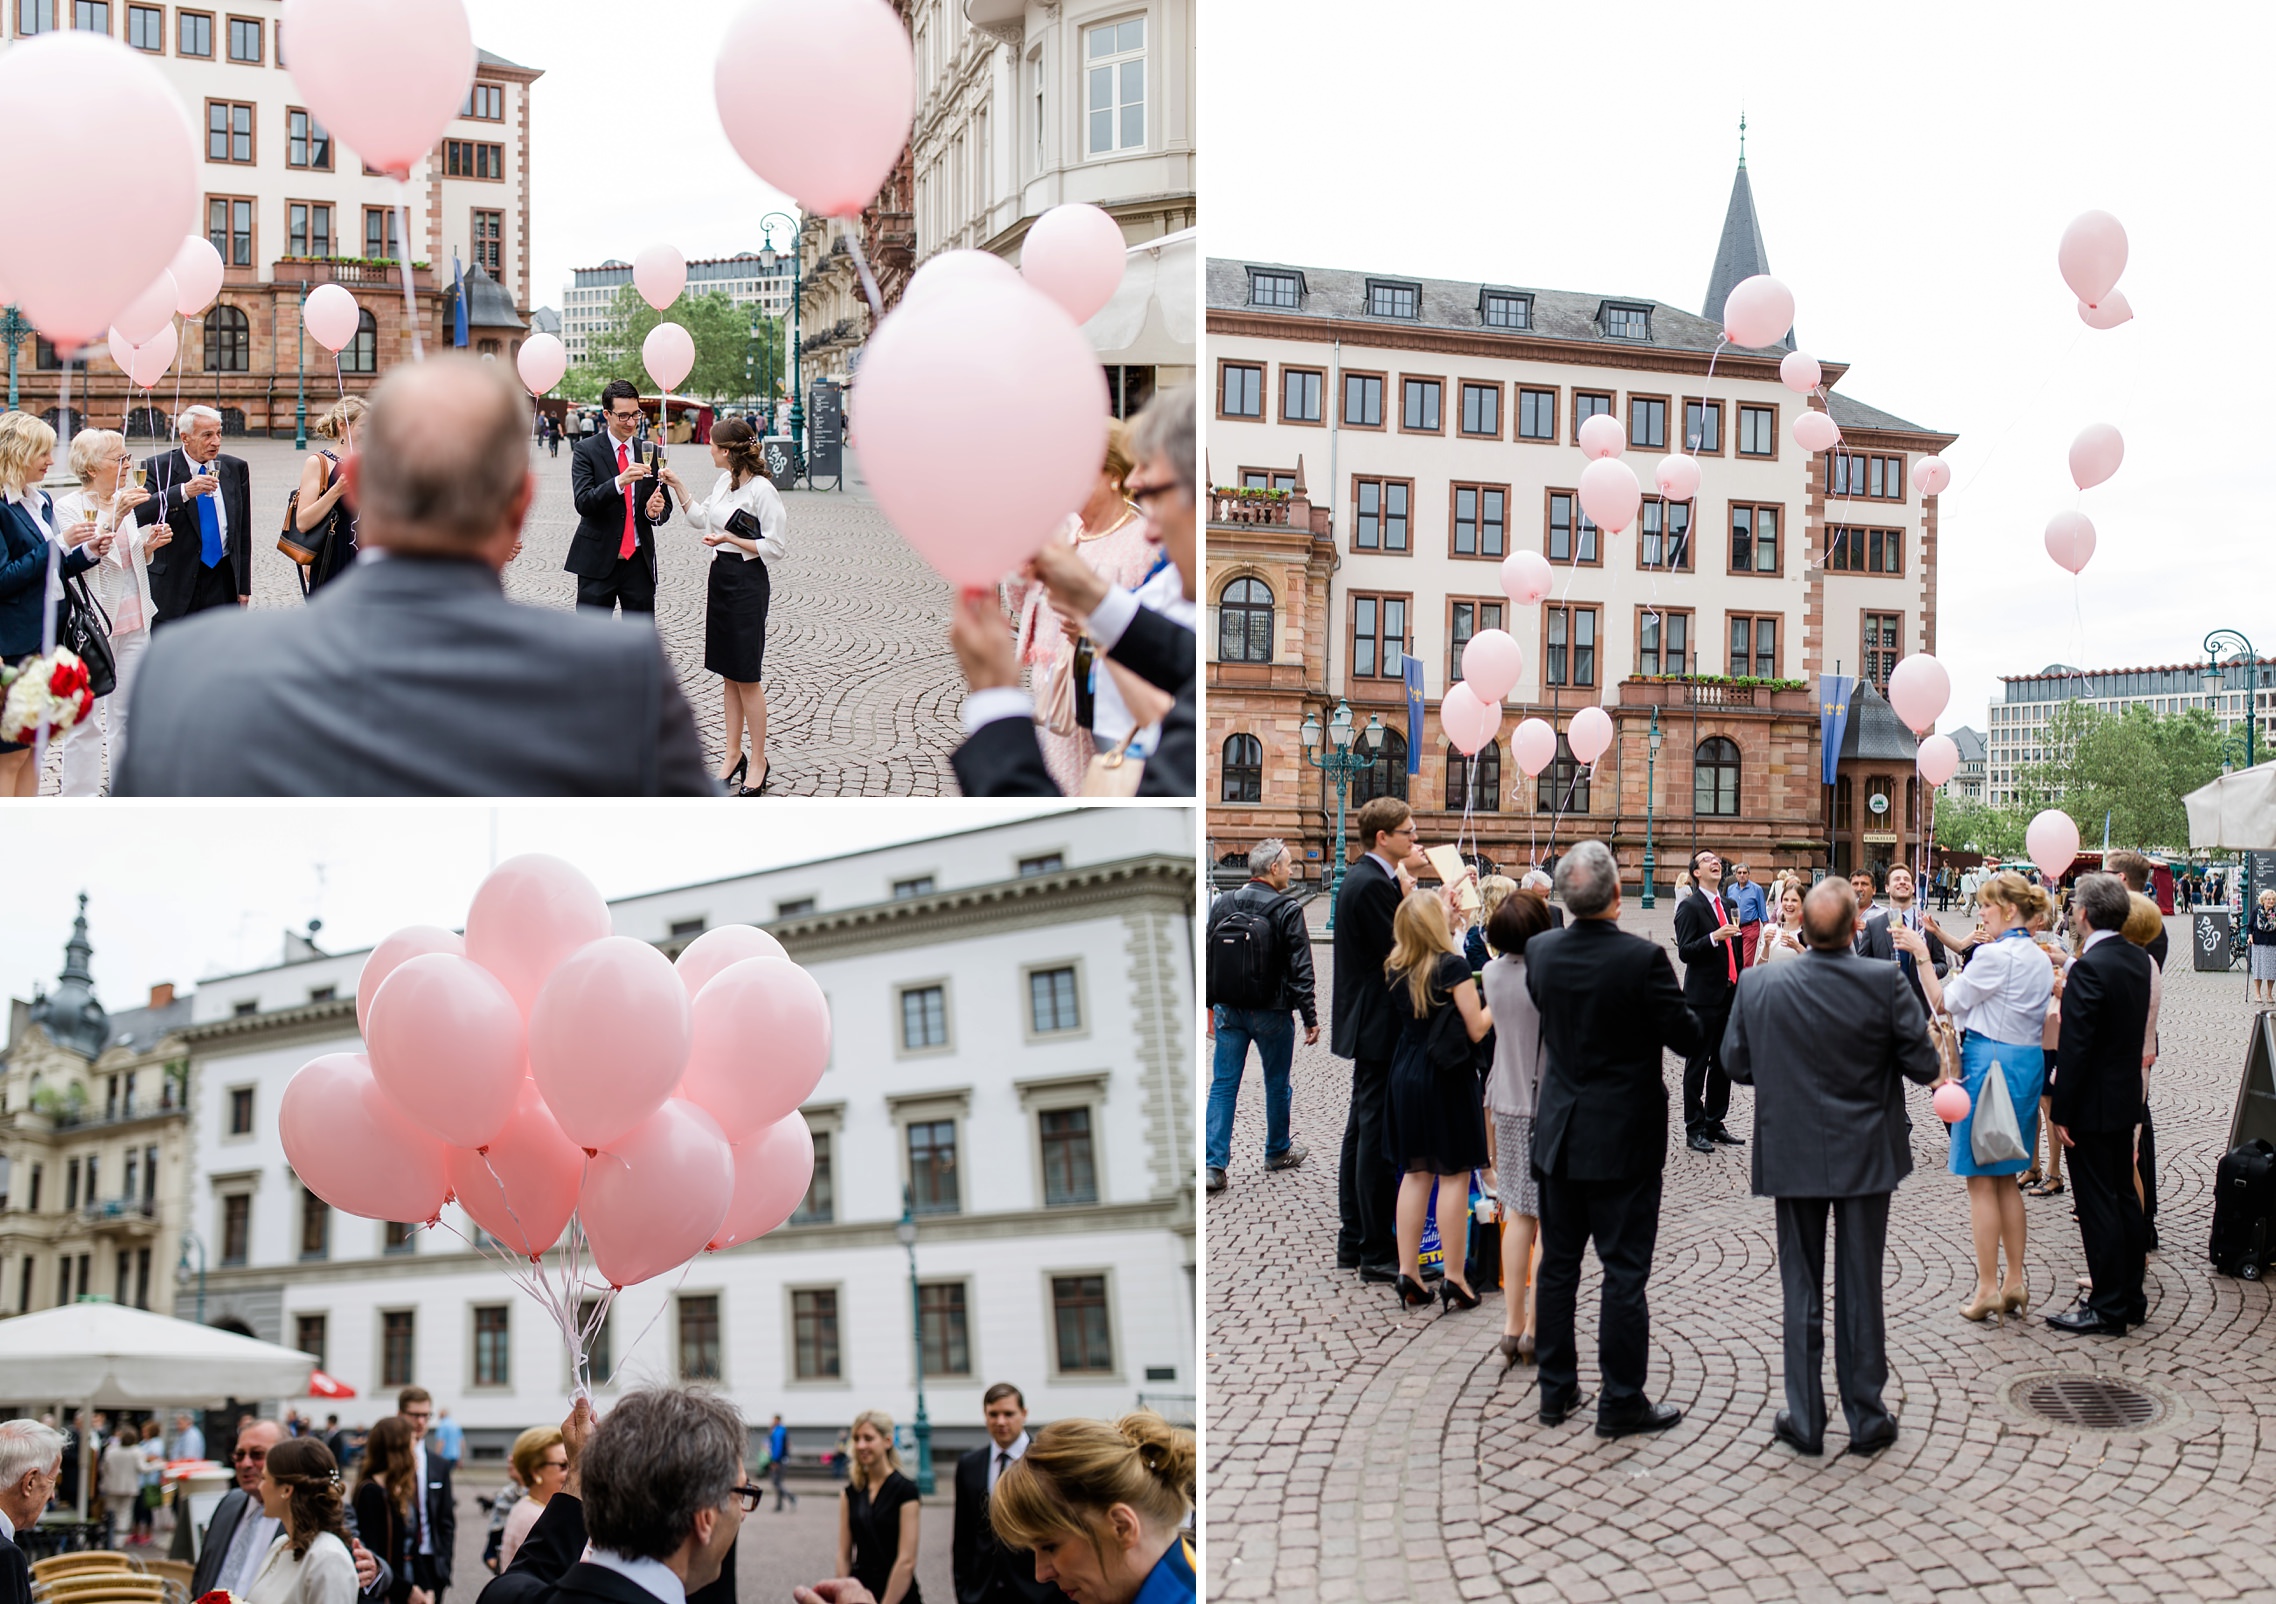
x=1740, y=255
x=72, y=1017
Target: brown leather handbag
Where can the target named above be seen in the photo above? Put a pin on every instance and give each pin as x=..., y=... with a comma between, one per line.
x=304, y=546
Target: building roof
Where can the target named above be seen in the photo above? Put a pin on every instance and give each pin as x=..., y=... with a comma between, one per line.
x=1855, y=414
x=1875, y=731
x=488, y=306
x=1970, y=742
x=490, y=58
x=70, y=1014
x=1740, y=253
x=545, y=319
x=2066, y=671
x=139, y=1029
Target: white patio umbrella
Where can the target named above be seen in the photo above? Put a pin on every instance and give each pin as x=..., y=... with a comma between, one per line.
x=2236, y=811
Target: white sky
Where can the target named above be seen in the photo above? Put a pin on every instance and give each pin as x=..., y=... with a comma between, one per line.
x=179, y=891
x=1913, y=170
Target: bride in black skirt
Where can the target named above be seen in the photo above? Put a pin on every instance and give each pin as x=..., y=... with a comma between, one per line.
x=743, y=519
x=1437, y=1125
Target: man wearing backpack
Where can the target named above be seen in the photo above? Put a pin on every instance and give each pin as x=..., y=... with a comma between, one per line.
x=1260, y=973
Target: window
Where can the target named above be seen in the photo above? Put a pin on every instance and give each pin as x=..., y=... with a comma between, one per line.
x=309, y=228
x=1048, y=863
x=399, y=1236
x=146, y=28
x=1379, y=637
x=1070, y=1172
x=245, y=40
x=315, y=1226
x=71, y=1187
x=795, y=908
x=1568, y=654
x=228, y=131
x=1078, y=1309
x=1300, y=395
x=1754, y=646
x=814, y=1334
x=1241, y=773
x=598, y=1363
x=489, y=236
x=1647, y=422
x=486, y=103
x=1380, y=514
x=1758, y=431
x=1703, y=427
x=932, y=1166
x=492, y=1347
x=229, y=225
x=362, y=353
x=1663, y=643
x=1873, y=478
x=1715, y=778
x=1882, y=632
x=921, y=886
x=228, y=344
x=1051, y=1001
x=1867, y=551
x=1114, y=86
x=1506, y=311
x=1363, y=400
x=1487, y=797
x=1563, y=785
x=1244, y=622
x=1272, y=289
x=1266, y=479
x=1586, y=405
x=1627, y=323
x=818, y=1206
x=1536, y=414
x=1242, y=394
x=1564, y=543
x=1481, y=525
x=308, y=1334
x=470, y=158
x=1388, y=776
x=241, y=1111
x=1463, y=620
x=380, y=240
x=236, y=1228
x=193, y=35
x=1418, y=409
x=34, y=16
x=940, y=1321
x=1754, y=539
x=1482, y=410
x=1664, y=540
x=92, y=16
x=1394, y=300
x=699, y=1337
x=398, y=1332
x=924, y=1018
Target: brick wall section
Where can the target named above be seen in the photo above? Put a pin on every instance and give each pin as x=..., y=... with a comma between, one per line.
x=1928, y=506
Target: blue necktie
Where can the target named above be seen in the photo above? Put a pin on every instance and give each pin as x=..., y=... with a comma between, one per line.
x=209, y=531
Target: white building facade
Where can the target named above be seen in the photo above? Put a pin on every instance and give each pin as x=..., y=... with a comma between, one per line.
x=2025, y=704
x=759, y=279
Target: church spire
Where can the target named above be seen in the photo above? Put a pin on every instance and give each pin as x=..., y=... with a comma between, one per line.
x=1740, y=254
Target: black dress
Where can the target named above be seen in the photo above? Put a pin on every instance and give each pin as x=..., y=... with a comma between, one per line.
x=735, y=624
x=338, y=553
x=876, y=1521
x=1437, y=1123
x=385, y=1534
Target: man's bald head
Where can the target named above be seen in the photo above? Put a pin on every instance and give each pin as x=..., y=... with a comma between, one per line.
x=444, y=469
x=1829, y=916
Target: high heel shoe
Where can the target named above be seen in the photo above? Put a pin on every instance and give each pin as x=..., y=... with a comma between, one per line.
x=734, y=776
x=2014, y=1300
x=1985, y=1306
x=1455, y=1297
x=1412, y=1294
x=1517, y=1350
x=759, y=789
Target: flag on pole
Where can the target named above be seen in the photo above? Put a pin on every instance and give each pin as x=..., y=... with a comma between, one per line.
x=1412, y=668
x=1834, y=691
x=458, y=296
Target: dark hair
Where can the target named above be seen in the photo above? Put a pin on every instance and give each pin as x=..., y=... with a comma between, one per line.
x=741, y=443
x=1521, y=916
x=305, y=1467
x=1703, y=852
x=660, y=1458
x=388, y=1460
x=2130, y=867
x=411, y=1395
x=618, y=390
x=999, y=1392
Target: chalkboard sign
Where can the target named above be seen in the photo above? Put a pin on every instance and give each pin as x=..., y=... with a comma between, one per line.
x=825, y=438
x=781, y=460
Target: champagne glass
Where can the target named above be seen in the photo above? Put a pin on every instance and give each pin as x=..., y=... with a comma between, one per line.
x=141, y=478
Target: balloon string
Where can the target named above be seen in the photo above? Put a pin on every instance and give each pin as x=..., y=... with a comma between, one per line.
x=2054, y=371
x=868, y=280
x=403, y=266
x=664, y=1304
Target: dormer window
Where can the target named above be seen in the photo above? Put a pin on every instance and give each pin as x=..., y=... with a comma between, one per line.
x=1281, y=290
x=1625, y=322
x=1498, y=309
x=1393, y=300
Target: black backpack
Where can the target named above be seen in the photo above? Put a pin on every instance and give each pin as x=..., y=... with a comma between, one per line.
x=1244, y=954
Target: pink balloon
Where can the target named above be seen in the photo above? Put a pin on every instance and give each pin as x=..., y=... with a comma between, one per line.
x=1589, y=734
x=2052, y=840
x=523, y=1187
x=1951, y=1102
x=790, y=68
x=2070, y=539
x=609, y=1038
x=197, y=271
x=772, y=1171
x=386, y=76
x=657, y=1195
x=1919, y=689
x=1467, y=720
x=1533, y=745
x=759, y=1043
x=411, y=941
x=1075, y=254
x=446, y=1044
x=952, y=269
x=1527, y=577
x=1610, y=494
x=668, y=354
x=139, y=155
x=529, y=914
x=1814, y=431
x=141, y=318
x=1491, y=663
x=1759, y=311
x=332, y=316
x=541, y=361
x=120, y=347
x=716, y=950
x=2114, y=310
x=1601, y=436
x=2096, y=454
x=659, y=273
x=1678, y=477
x=153, y=359
x=2092, y=255
x=1939, y=759
x=1930, y=475
x=354, y=1148
x=1798, y=370
x=1029, y=397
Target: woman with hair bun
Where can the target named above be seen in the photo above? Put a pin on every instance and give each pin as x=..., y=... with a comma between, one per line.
x=309, y=1563
x=744, y=521
x=322, y=485
x=1103, y=1508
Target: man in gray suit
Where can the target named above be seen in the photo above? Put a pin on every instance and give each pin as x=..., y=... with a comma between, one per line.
x=1827, y=1044
x=412, y=675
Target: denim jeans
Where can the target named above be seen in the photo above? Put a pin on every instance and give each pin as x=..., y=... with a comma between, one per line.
x=1275, y=1036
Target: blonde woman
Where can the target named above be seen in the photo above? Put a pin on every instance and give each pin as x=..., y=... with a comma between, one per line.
x=29, y=522
x=107, y=497
x=877, y=1522
x=1436, y=1125
x=1103, y=1509
x=541, y=1461
x=321, y=486
x=2261, y=948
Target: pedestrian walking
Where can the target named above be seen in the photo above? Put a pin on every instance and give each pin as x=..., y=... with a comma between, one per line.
x=985, y=1570
x=1513, y=1092
x=1364, y=1028
x=1436, y=1128
x=778, y=1462
x=1259, y=981
x=1707, y=938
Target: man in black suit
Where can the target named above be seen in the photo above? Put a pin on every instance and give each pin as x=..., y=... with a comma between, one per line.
x=412, y=675
x=1363, y=1028
x=31, y=1462
x=1905, y=909
x=237, y=1537
x=205, y=558
x=1706, y=936
x=613, y=553
x=984, y=1570
x=434, y=1510
x=2097, y=1092
x=1609, y=1005
x=1827, y=1044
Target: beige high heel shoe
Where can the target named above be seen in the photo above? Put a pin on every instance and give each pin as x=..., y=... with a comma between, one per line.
x=2014, y=1299
x=1985, y=1306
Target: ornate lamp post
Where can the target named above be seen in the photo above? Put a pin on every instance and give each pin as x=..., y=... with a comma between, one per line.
x=767, y=259
x=906, y=1234
x=2218, y=641
x=1651, y=765
x=14, y=328
x=1342, y=761
x=300, y=374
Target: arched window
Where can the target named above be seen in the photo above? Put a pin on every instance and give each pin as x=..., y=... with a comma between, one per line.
x=1242, y=771
x=1389, y=775
x=1715, y=778
x=1244, y=622
x=362, y=354
x=228, y=341
x=1488, y=796
x=486, y=349
x=1563, y=785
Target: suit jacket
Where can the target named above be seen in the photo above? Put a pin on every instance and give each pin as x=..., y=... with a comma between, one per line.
x=411, y=677
x=174, y=566
x=2097, y=1082
x=1609, y=1004
x=1706, y=962
x=1003, y=757
x=1828, y=1043
x=549, y=1569
x=1361, y=1023
x=600, y=511
x=23, y=577
x=1873, y=941
x=15, y=1574
x=985, y=1571
x=442, y=1517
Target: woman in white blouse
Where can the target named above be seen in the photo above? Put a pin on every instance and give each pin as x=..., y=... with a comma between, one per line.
x=121, y=582
x=309, y=1562
x=735, y=628
x=1783, y=939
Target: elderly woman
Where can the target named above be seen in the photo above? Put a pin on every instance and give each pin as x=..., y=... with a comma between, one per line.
x=2261, y=948
x=1512, y=1092
x=29, y=523
x=107, y=497
x=1103, y=1509
x=322, y=484
x=541, y=1463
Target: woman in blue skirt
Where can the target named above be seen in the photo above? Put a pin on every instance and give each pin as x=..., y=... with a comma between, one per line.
x=1999, y=1001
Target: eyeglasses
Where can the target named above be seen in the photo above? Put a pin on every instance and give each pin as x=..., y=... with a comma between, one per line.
x=624, y=417
x=249, y=1456
x=748, y=1497
x=554, y=1464
x=1144, y=495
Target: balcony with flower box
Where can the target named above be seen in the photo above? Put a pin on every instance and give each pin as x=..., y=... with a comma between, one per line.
x=355, y=272
x=1720, y=691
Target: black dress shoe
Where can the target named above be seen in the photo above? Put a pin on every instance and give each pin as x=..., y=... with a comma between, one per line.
x=2084, y=1322
x=1346, y=1260
x=1722, y=1134
x=1784, y=1430
x=1380, y=1274
x=1700, y=1142
x=1556, y=1411
x=1649, y=1417
x=1866, y=1447
x=1216, y=1179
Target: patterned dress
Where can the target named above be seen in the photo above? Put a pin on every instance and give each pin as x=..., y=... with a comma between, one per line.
x=1120, y=556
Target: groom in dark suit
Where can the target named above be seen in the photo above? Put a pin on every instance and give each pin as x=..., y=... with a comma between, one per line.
x=1706, y=937
x=613, y=553
x=205, y=559
x=1363, y=1028
x=986, y=1572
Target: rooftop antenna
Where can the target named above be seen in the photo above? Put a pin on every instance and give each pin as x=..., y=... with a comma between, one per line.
x=1742, y=136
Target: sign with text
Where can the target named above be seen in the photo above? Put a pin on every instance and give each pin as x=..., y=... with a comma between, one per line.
x=825, y=432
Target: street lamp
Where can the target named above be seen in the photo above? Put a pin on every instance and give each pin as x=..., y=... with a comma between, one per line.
x=300, y=374
x=1651, y=764
x=14, y=328
x=2214, y=643
x=906, y=1234
x=767, y=259
x=1343, y=762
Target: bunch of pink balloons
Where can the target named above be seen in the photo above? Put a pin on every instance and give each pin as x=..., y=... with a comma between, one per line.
x=2091, y=256
x=541, y=1069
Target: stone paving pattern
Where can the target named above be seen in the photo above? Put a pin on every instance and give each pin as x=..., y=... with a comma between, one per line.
x=1355, y=1452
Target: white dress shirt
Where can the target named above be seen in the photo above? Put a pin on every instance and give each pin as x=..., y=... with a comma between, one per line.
x=7, y=1526
x=758, y=498
x=996, y=1465
x=653, y=1575
x=326, y=1574
x=121, y=581
x=220, y=505
x=2003, y=992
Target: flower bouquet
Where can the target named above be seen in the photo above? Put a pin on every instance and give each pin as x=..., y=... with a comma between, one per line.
x=50, y=690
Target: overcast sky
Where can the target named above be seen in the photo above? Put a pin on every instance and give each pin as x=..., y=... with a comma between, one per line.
x=180, y=891
x=1913, y=171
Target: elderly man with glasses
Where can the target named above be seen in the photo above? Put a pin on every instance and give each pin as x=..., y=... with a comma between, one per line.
x=237, y=1539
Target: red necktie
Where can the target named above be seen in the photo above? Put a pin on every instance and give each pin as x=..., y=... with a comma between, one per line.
x=1730, y=948
x=631, y=530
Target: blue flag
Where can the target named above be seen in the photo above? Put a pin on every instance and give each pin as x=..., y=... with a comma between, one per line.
x=1414, y=672
x=1833, y=719
x=458, y=295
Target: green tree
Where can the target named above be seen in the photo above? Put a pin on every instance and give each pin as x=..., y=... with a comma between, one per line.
x=1967, y=826
x=2128, y=770
x=721, y=331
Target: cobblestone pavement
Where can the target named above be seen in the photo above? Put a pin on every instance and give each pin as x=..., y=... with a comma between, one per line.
x=862, y=690
x=1358, y=1453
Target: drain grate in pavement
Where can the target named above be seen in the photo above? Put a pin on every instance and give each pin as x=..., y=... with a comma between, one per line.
x=2090, y=1403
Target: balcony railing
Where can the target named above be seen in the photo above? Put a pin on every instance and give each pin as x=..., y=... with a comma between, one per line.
x=119, y=1210
x=1712, y=690
x=357, y=271
x=1257, y=508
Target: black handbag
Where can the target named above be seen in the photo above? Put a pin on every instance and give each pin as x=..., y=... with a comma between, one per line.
x=84, y=628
